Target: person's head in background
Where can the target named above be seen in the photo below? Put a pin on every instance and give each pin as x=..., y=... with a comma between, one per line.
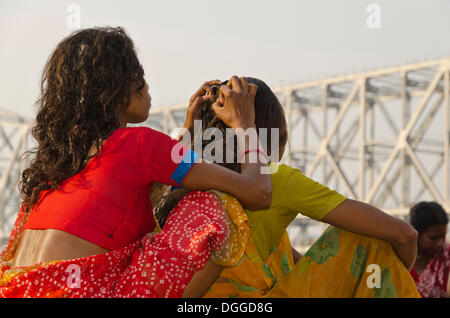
x=92, y=84
x=269, y=114
x=430, y=221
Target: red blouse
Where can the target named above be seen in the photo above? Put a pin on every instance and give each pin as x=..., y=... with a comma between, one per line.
x=108, y=202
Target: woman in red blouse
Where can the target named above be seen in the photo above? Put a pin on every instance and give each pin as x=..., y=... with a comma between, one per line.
x=86, y=192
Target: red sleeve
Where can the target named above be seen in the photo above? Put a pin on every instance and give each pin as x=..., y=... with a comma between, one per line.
x=164, y=158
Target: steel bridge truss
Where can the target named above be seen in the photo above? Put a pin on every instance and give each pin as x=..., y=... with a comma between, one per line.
x=381, y=137
x=14, y=142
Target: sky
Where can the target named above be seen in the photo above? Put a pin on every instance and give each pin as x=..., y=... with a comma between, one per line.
x=182, y=43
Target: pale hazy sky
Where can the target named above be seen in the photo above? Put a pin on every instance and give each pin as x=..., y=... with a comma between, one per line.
x=183, y=43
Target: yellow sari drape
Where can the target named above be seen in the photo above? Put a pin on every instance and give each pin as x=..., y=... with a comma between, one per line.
x=339, y=264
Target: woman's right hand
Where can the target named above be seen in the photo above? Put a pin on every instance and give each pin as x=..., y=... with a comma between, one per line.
x=251, y=187
x=201, y=96
x=235, y=105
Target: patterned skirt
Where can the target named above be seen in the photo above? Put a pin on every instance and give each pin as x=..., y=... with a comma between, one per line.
x=158, y=265
x=339, y=264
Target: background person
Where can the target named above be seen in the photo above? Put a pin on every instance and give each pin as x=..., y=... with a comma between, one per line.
x=432, y=266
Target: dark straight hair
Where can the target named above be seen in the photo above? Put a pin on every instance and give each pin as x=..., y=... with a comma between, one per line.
x=426, y=214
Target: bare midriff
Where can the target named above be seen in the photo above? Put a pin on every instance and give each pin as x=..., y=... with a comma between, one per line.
x=43, y=246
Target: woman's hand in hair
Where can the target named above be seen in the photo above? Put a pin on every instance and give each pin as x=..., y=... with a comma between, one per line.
x=235, y=105
x=251, y=186
x=201, y=96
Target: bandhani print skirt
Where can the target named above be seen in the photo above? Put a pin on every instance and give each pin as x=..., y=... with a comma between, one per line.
x=158, y=265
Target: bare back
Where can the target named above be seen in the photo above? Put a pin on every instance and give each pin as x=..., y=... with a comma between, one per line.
x=43, y=246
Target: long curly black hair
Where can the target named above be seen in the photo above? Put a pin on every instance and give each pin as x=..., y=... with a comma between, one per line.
x=86, y=84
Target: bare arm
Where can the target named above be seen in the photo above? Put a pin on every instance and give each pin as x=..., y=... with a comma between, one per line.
x=202, y=280
x=250, y=187
x=364, y=219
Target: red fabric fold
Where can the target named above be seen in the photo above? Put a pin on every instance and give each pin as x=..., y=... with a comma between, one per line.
x=158, y=265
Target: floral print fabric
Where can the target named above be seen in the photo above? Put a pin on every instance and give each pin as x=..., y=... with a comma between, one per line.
x=339, y=264
x=344, y=264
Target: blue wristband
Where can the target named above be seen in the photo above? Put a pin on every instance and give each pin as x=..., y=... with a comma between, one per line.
x=183, y=168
